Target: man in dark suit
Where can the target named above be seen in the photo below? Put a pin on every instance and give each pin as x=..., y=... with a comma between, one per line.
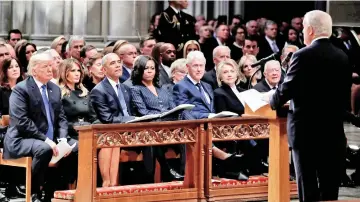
x=270, y=43
x=37, y=123
x=284, y=53
x=220, y=54
x=104, y=96
x=167, y=57
x=272, y=74
x=175, y=26
x=318, y=147
x=191, y=90
x=112, y=101
x=127, y=54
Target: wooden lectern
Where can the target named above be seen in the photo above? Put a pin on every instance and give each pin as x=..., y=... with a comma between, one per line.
x=279, y=184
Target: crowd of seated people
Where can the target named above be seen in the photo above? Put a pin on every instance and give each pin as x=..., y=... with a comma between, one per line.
x=70, y=84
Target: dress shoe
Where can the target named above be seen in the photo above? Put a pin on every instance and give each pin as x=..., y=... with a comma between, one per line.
x=13, y=191
x=171, y=176
x=3, y=198
x=35, y=198
x=234, y=162
x=236, y=176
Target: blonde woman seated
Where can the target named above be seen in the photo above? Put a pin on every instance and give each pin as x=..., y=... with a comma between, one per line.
x=226, y=97
x=189, y=46
x=245, y=68
x=178, y=71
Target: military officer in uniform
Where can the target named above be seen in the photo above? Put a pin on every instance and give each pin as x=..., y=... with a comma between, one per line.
x=175, y=26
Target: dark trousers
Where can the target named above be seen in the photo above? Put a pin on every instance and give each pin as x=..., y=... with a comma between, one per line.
x=318, y=170
x=41, y=155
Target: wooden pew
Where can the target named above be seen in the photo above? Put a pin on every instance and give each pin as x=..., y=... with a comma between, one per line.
x=24, y=162
x=257, y=187
x=95, y=137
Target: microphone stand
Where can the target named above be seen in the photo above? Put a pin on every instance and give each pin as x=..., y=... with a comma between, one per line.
x=260, y=68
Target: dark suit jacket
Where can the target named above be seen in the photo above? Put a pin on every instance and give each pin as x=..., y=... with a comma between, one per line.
x=145, y=102
x=265, y=48
x=4, y=100
x=185, y=92
x=177, y=34
x=310, y=69
x=125, y=76
x=163, y=76
x=210, y=78
x=107, y=105
x=226, y=100
x=262, y=86
x=28, y=117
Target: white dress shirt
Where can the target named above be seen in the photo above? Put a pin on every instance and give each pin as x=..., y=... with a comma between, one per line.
x=167, y=69
x=272, y=44
x=113, y=84
x=271, y=86
x=39, y=84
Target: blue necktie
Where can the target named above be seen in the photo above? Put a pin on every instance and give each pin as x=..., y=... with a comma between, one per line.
x=50, y=132
x=122, y=100
x=202, y=92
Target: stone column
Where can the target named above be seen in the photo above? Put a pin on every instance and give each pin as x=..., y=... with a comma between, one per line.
x=121, y=19
x=5, y=17
x=20, y=14
x=239, y=8
x=79, y=17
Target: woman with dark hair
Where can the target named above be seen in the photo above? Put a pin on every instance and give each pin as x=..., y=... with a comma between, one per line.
x=291, y=37
x=25, y=53
x=10, y=74
x=149, y=98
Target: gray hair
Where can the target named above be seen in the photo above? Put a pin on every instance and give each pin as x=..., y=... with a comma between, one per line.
x=75, y=38
x=105, y=58
x=271, y=63
x=320, y=21
x=195, y=55
x=269, y=23
x=177, y=64
x=37, y=59
x=219, y=48
x=288, y=46
x=248, y=23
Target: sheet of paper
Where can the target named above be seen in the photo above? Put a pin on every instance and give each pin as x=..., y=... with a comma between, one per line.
x=63, y=148
x=223, y=114
x=253, y=99
x=144, y=118
x=180, y=107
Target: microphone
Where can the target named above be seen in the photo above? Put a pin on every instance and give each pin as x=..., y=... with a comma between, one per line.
x=286, y=60
x=264, y=60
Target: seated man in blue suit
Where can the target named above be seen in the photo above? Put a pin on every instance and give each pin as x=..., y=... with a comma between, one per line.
x=112, y=103
x=37, y=124
x=191, y=90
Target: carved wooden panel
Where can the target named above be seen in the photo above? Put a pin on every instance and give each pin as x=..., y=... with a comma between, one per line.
x=150, y=136
x=241, y=131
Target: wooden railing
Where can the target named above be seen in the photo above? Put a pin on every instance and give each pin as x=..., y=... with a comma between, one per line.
x=198, y=136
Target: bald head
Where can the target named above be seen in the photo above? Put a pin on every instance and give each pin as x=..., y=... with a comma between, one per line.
x=316, y=24
x=167, y=54
x=127, y=54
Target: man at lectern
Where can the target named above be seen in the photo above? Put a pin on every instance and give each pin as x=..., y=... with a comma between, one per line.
x=315, y=117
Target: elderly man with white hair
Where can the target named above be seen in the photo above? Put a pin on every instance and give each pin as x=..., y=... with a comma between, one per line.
x=191, y=90
x=316, y=112
x=37, y=124
x=272, y=74
x=220, y=53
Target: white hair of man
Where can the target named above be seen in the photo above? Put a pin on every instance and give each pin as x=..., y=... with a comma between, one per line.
x=177, y=64
x=105, y=58
x=268, y=23
x=288, y=46
x=248, y=23
x=195, y=55
x=320, y=21
x=37, y=59
x=271, y=63
x=219, y=48
x=75, y=38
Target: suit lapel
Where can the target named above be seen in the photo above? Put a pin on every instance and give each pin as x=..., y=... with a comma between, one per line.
x=211, y=96
x=111, y=91
x=36, y=95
